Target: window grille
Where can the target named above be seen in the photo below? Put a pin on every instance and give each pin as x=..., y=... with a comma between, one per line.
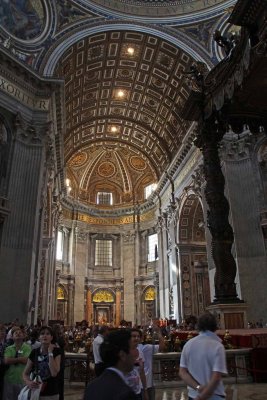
x=103, y=252
x=104, y=198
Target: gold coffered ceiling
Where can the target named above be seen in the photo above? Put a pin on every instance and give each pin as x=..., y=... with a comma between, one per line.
x=114, y=143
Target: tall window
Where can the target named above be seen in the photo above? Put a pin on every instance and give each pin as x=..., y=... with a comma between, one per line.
x=103, y=252
x=104, y=198
x=149, y=189
x=152, y=248
x=59, y=253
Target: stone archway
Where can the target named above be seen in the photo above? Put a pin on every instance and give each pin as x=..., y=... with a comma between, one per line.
x=195, y=292
x=62, y=304
x=148, y=304
x=103, y=301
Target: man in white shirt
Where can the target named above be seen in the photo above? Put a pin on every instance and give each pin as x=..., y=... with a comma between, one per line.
x=99, y=365
x=148, y=351
x=203, y=362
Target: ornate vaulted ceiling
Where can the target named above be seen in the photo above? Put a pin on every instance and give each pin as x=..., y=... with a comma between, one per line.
x=118, y=143
x=123, y=112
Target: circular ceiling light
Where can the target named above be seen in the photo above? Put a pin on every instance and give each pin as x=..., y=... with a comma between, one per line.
x=130, y=51
x=120, y=93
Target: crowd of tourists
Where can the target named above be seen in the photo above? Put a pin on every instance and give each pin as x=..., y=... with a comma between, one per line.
x=34, y=357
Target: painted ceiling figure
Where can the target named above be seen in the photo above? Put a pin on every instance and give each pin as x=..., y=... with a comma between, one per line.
x=21, y=18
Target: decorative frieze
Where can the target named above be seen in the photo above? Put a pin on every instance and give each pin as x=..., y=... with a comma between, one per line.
x=28, y=133
x=80, y=234
x=23, y=96
x=161, y=223
x=129, y=237
x=237, y=149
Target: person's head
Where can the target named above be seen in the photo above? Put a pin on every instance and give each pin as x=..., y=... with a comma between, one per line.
x=207, y=322
x=103, y=330
x=46, y=335
x=136, y=336
x=115, y=351
x=18, y=334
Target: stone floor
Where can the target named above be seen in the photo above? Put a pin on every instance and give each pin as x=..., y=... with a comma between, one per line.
x=252, y=391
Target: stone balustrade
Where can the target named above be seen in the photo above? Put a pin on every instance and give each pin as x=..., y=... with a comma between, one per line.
x=79, y=368
x=166, y=368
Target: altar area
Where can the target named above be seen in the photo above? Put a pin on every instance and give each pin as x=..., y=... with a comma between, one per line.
x=239, y=338
x=246, y=353
x=244, y=338
x=246, y=356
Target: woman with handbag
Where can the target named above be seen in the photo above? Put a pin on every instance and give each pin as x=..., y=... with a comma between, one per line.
x=44, y=362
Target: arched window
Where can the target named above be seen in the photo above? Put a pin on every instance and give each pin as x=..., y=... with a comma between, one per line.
x=152, y=247
x=149, y=189
x=59, y=252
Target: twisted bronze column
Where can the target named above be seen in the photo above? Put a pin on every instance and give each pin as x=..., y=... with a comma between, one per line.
x=208, y=139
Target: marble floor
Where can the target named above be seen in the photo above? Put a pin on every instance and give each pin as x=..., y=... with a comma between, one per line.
x=251, y=391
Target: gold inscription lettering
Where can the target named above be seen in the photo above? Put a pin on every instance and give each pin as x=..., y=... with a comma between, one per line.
x=15, y=92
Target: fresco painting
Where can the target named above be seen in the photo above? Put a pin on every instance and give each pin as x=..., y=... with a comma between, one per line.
x=24, y=19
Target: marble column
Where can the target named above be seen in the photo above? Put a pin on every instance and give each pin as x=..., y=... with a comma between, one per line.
x=139, y=302
x=70, y=317
x=80, y=267
x=163, y=266
x=128, y=254
x=174, y=289
x=89, y=306
x=118, y=307
x=56, y=290
x=19, y=248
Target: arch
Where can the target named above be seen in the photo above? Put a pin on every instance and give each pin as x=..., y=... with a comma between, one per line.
x=195, y=291
x=32, y=19
x=148, y=304
x=103, y=296
x=149, y=293
x=171, y=17
x=61, y=293
x=48, y=67
x=191, y=220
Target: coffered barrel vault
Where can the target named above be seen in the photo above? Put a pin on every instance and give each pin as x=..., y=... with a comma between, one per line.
x=124, y=94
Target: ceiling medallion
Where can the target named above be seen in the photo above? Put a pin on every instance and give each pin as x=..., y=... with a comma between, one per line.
x=106, y=169
x=78, y=160
x=137, y=163
x=159, y=8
